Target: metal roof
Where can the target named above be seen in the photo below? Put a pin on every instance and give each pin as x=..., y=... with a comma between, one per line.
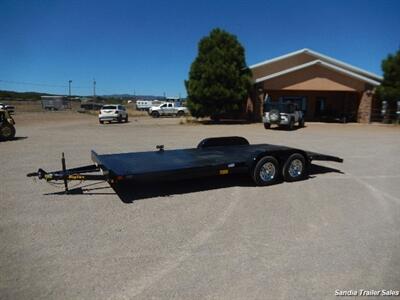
x=321, y=63
x=320, y=57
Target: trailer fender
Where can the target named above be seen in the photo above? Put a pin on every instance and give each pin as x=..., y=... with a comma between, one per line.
x=281, y=156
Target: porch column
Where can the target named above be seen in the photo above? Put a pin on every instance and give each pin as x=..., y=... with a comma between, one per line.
x=365, y=107
x=258, y=104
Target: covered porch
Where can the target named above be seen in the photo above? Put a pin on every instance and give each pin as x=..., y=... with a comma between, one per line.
x=324, y=88
x=321, y=105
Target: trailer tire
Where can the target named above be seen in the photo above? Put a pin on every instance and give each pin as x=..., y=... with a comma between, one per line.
x=7, y=131
x=295, y=168
x=266, y=171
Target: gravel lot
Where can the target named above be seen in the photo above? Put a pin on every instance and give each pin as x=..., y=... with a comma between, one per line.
x=211, y=238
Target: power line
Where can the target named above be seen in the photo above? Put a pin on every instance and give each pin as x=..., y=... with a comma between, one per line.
x=94, y=87
x=69, y=87
x=42, y=84
x=31, y=83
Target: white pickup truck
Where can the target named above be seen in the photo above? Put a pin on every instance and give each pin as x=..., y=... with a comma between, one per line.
x=167, y=109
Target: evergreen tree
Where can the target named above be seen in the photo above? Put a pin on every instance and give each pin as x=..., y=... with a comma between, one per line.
x=389, y=90
x=219, y=80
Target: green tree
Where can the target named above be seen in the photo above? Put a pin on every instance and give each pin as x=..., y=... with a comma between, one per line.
x=219, y=80
x=390, y=88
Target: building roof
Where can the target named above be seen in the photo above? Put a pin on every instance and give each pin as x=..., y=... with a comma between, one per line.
x=321, y=63
x=325, y=61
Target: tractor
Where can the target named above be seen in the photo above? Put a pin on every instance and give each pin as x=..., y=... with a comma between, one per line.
x=7, y=129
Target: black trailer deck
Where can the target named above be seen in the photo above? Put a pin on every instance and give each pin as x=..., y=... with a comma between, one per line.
x=213, y=156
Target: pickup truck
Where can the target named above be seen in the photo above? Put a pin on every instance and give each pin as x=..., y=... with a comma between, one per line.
x=167, y=109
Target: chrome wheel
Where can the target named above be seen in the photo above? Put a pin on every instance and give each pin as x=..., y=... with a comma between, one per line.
x=267, y=171
x=296, y=168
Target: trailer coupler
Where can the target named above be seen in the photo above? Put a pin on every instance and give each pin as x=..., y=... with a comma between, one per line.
x=66, y=175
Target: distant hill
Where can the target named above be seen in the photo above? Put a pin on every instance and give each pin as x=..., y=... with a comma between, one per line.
x=35, y=96
x=133, y=97
x=10, y=95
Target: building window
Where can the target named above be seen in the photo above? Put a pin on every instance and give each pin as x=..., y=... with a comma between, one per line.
x=301, y=101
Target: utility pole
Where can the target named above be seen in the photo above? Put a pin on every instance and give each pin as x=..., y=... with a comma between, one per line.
x=69, y=88
x=94, y=88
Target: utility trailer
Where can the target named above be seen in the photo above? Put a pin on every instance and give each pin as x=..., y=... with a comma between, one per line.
x=265, y=163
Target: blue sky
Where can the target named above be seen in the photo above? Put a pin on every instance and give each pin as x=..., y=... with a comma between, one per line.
x=148, y=46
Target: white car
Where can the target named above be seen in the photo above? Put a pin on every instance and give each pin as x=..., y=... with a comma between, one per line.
x=113, y=112
x=167, y=109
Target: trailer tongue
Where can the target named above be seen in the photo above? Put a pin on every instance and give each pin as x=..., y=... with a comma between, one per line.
x=213, y=156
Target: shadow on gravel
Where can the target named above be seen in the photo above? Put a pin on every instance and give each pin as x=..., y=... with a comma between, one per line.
x=129, y=191
x=87, y=189
x=225, y=122
x=284, y=128
x=17, y=138
x=318, y=169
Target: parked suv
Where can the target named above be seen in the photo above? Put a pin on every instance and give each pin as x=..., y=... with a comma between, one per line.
x=7, y=129
x=282, y=114
x=113, y=113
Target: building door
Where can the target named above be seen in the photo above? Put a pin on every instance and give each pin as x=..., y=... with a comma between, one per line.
x=320, y=106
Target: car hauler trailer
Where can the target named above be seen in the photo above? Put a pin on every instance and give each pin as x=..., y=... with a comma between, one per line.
x=265, y=163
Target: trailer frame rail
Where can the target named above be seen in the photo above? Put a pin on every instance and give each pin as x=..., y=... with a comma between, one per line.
x=79, y=174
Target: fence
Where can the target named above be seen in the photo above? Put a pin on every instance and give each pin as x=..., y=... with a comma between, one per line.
x=390, y=116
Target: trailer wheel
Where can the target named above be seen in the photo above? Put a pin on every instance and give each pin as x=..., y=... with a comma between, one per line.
x=267, y=125
x=295, y=168
x=266, y=171
x=7, y=131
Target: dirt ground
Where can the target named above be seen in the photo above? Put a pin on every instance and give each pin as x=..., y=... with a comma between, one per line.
x=218, y=238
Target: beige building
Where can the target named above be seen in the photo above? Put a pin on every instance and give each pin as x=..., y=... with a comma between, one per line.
x=325, y=88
